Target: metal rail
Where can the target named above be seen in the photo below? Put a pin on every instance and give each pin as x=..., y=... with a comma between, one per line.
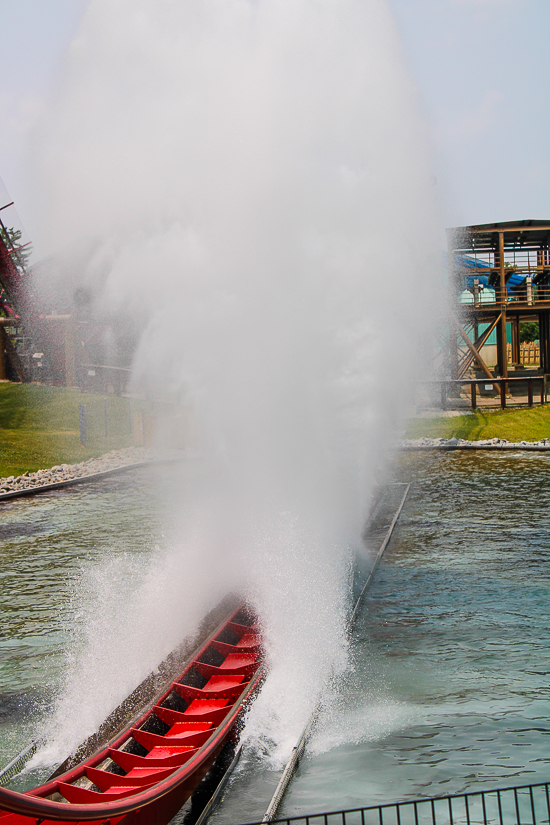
x=215, y=798
x=18, y=762
x=519, y=805
x=379, y=555
x=298, y=749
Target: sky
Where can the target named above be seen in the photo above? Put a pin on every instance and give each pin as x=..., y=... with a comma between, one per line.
x=481, y=68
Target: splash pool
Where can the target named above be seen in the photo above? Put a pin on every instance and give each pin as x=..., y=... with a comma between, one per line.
x=49, y=541
x=448, y=685
x=447, y=688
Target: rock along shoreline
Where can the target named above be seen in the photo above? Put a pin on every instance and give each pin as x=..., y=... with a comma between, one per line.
x=461, y=444
x=64, y=474
x=125, y=459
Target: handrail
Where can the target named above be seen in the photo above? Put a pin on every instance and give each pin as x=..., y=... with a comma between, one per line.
x=105, y=367
x=515, y=805
x=538, y=295
x=17, y=763
x=501, y=382
x=497, y=380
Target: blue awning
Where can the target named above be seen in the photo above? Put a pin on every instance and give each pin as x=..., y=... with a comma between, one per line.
x=467, y=262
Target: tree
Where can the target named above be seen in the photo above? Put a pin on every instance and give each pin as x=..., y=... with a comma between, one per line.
x=12, y=238
x=528, y=331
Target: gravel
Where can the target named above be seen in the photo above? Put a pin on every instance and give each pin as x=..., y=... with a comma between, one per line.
x=118, y=459
x=62, y=473
x=462, y=444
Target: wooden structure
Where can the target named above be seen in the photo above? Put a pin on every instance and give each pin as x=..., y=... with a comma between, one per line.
x=33, y=346
x=12, y=275
x=70, y=347
x=505, y=268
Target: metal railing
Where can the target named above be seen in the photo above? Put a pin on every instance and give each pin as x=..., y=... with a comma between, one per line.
x=101, y=378
x=489, y=297
x=520, y=805
x=515, y=258
x=17, y=764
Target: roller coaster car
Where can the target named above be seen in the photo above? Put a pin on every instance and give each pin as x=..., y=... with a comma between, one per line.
x=147, y=773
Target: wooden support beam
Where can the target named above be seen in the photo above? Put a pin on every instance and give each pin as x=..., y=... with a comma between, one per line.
x=478, y=343
x=483, y=230
x=14, y=358
x=465, y=358
x=544, y=342
x=516, y=361
x=472, y=349
x=501, y=337
x=453, y=294
x=3, y=335
x=70, y=355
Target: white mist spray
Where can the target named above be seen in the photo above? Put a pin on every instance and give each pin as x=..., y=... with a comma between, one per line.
x=251, y=178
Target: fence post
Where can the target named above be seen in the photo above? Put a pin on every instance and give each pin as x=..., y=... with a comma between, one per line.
x=138, y=429
x=473, y=394
x=530, y=392
x=443, y=395
x=82, y=422
x=502, y=394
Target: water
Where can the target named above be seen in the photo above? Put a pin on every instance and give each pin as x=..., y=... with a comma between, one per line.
x=246, y=183
x=447, y=687
x=448, y=684
x=51, y=544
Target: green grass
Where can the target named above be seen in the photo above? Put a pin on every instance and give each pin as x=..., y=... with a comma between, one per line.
x=513, y=425
x=39, y=427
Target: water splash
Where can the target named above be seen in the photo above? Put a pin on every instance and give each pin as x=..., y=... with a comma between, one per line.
x=249, y=182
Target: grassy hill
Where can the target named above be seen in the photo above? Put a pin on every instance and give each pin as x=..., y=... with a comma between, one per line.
x=39, y=426
x=513, y=425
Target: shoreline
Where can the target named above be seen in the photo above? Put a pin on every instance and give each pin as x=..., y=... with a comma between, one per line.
x=492, y=444
x=63, y=475
x=129, y=458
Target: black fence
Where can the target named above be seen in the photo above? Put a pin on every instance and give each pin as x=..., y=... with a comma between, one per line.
x=524, y=805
